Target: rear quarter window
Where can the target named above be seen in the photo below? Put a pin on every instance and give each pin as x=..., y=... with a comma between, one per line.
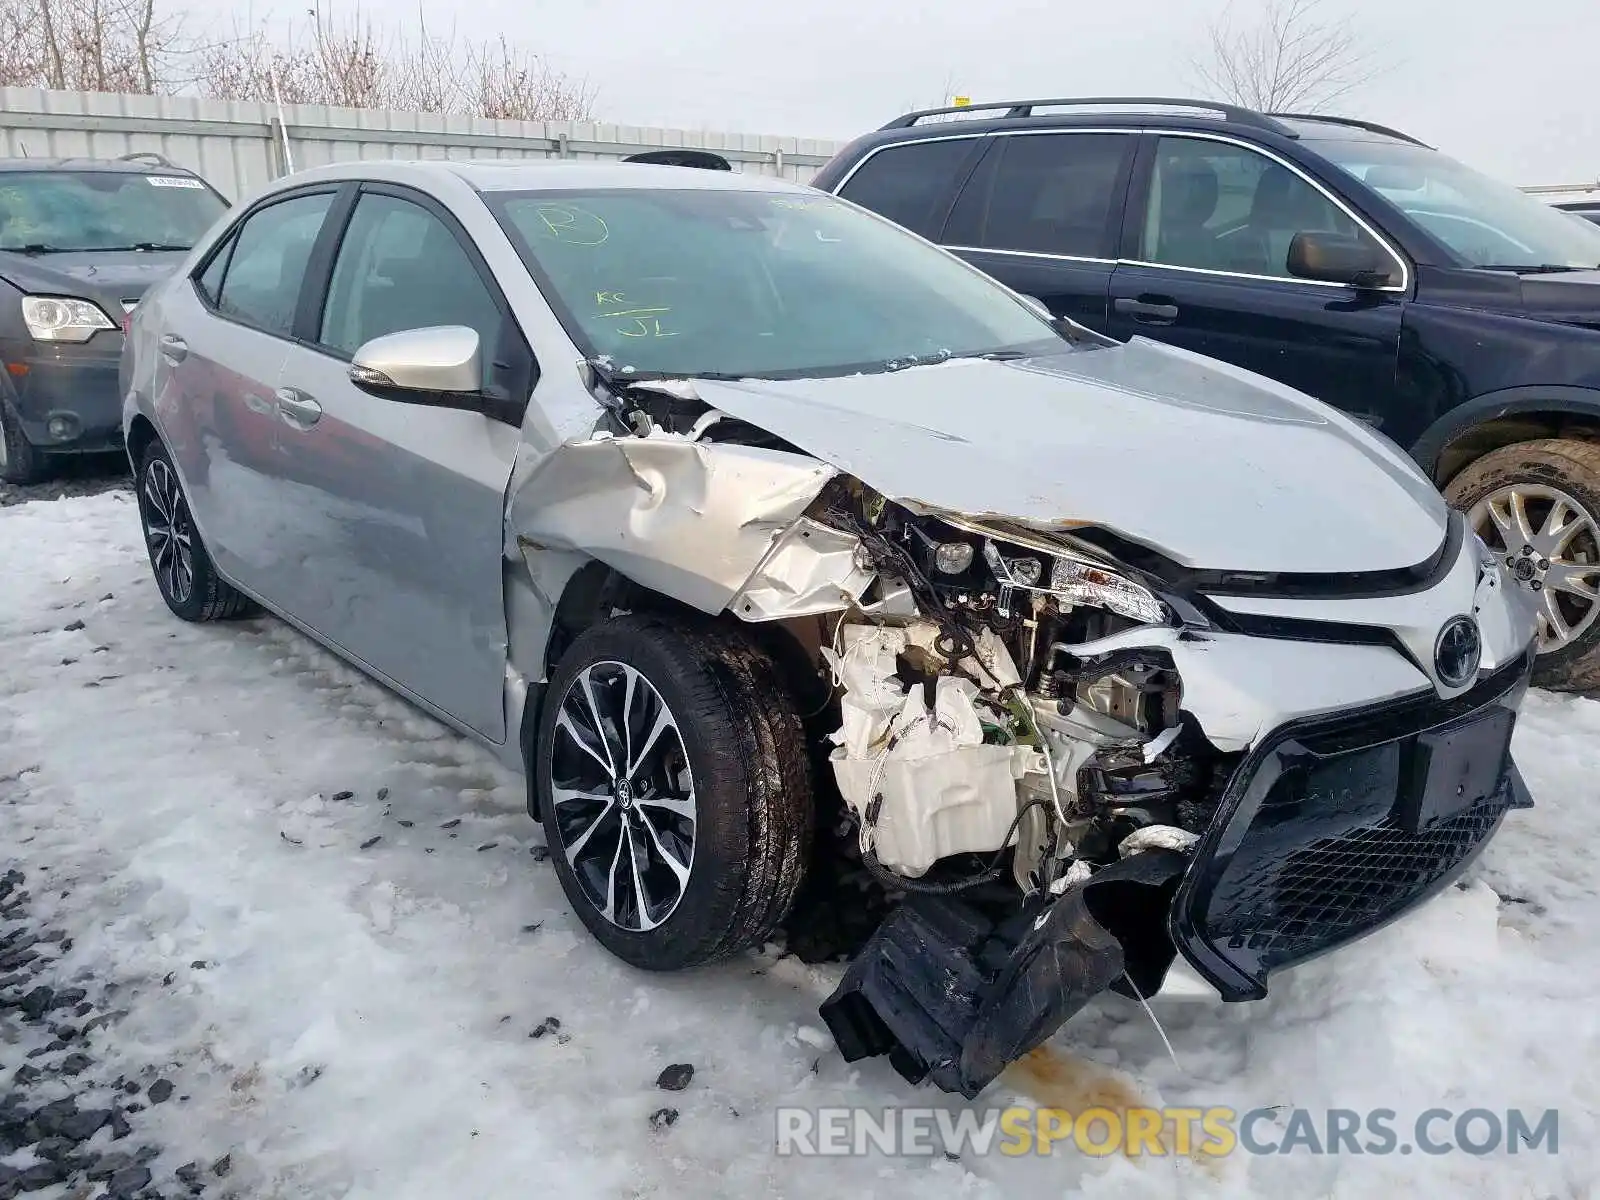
x=908, y=183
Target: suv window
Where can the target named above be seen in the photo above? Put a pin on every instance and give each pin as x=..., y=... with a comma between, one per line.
x=1221, y=207
x=1049, y=193
x=400, y=267
x=268, y=262
x=904, y=183
x=104, y=210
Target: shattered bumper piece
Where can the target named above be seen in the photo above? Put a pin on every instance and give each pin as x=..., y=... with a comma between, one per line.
x=953, y=997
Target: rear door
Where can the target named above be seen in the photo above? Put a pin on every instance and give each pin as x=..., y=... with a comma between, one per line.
x=1042, y=213
x=223, y=342
x=1205, y=268
x=390, y=516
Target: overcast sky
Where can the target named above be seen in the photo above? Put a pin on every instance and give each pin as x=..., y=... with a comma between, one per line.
x=1510, y=86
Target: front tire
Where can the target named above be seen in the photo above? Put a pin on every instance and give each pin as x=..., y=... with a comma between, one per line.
x=1537, y=505
x=184, y=573
x=675, y=789
x=21, y=462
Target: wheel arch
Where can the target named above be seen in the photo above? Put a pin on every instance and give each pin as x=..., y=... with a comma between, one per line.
x=596, y=593
x=1504, y=418
x=142, y=433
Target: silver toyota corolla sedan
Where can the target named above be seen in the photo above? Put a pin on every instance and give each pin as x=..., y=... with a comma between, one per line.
x=780, y=546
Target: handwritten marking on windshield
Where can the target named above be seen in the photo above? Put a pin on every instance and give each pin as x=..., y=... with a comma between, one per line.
x=575, y=226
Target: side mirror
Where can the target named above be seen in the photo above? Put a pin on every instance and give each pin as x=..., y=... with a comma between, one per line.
x=1038, y=305
x=439, y=360
x=1330, y=258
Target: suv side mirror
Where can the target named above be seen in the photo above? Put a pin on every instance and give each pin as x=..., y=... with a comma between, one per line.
x=440, y=366
x=1330, y=258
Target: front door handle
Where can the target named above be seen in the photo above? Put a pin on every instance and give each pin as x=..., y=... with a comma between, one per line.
x=173, y=348
x=297, y=409
x=1148, y=312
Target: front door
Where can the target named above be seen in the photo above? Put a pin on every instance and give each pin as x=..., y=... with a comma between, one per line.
x=391, y=515
x=1041, y=214
x=1207, y=270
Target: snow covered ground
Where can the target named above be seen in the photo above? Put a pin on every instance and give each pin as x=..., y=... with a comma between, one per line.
x=373, y=970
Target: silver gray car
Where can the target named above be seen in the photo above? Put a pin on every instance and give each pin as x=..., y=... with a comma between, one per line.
x=782, y=548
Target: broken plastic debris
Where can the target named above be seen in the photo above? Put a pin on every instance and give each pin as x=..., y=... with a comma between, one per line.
x=1157, y=837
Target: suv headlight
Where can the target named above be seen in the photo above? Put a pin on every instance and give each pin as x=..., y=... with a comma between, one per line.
x=57, y=319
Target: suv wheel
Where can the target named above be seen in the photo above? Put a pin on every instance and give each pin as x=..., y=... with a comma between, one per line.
x=21, y=462
x=188, y=581
x=1537, y=505
x=674, y=784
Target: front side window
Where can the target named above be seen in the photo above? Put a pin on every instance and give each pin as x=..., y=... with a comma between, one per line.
x=754, y=283
x=271, y=251
x=905, y=183
x=1485, y=222
x=64, y=211
x=1050, y=193
x=1220, y=207
x=400, y=267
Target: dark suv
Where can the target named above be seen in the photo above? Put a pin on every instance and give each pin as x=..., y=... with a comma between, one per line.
x=80, y=241
x=1456, y=314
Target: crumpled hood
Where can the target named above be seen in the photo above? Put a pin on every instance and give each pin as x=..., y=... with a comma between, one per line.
x=106, y=278
x=1212, y=466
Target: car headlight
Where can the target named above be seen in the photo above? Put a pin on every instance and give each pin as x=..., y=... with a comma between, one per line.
x=58, y=319
x=1076, y=580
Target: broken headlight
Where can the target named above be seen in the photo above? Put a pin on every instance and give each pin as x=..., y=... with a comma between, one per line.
x=1073, y=579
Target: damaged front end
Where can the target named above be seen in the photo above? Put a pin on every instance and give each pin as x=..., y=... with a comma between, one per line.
x=1066, y=769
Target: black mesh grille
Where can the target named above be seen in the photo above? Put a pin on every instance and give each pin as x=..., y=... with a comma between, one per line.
x=1283, y=909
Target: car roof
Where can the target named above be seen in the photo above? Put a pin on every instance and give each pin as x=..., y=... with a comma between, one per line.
x=110, y=165
x=564, y=174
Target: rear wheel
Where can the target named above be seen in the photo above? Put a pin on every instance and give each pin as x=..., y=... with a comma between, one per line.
x=1537, y=505
x=183, y=569
x=21, y=462
x=675, y=790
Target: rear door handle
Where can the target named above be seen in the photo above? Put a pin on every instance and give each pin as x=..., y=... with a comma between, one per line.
x=297, y=409
x=1148, y=312
x=173, y=348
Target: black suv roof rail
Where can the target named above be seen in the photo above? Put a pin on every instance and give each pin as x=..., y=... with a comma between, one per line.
x=160, y=160
x=1354, y=123
x=1024, y=108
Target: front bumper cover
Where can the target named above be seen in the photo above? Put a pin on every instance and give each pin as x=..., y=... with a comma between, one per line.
x=1328, y=829
x=1332, y=827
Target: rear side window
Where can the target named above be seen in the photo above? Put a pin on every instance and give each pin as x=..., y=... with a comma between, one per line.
x=268, y=261
x=905, y=183
x=1053, y=193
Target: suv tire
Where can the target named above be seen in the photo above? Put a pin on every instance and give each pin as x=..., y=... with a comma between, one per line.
x=21, y=462
x=703, y=765
x=184, y=572
x=1547, y=494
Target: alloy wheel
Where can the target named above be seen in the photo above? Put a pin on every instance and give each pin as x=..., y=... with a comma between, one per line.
x=1549, y=544
x=169, y=530
x=623, y=796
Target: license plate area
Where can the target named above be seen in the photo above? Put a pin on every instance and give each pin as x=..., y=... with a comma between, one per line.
x=1454, y=769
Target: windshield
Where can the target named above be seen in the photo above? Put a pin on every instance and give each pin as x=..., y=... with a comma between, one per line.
x=103, y=210
x=1486, y=222
x=756, y=284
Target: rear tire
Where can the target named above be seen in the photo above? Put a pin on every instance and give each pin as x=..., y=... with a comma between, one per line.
x=21, y=462
x=184, y=572
x=729, y=798
x=1544, y=497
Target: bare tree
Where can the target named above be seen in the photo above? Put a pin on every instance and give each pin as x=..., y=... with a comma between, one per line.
x=91, y=45
x=1289, y=58
x=350, y=61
